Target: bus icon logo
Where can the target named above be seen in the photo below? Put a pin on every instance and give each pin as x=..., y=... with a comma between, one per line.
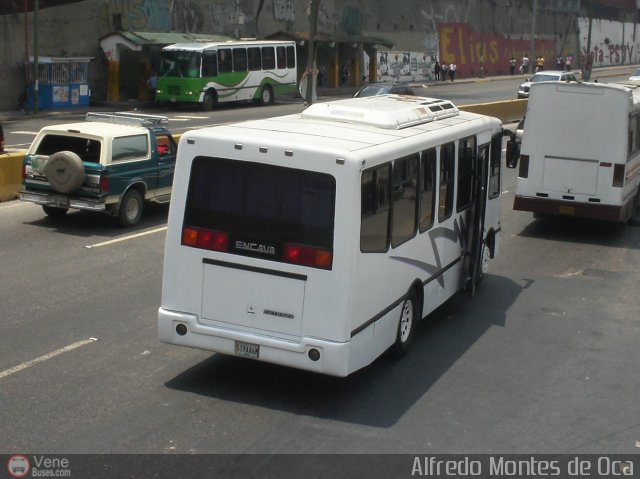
x=18, y=466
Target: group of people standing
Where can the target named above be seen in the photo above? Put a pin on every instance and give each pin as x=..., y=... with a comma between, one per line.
x=440, y=72
x=561, y=64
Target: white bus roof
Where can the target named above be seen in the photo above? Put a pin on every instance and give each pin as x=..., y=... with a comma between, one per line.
x=628, y=89
x=323, y=128
x=390, y=112
x=201, y=46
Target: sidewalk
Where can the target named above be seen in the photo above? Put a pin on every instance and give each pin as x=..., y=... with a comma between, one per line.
x=323, y=93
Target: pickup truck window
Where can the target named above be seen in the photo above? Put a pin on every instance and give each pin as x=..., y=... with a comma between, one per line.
x=130, y=147
x=87, y=150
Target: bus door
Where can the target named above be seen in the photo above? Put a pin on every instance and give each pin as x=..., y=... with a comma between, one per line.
x=476, y=223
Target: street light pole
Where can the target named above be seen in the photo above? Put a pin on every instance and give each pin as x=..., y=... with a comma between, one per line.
x=533, y=34
x=36, y=74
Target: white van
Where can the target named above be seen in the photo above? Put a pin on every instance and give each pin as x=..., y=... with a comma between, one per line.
x=580, y=152
x=318, y=240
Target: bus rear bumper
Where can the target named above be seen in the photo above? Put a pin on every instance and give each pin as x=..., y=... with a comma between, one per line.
x=546, y=206
x=333, y=359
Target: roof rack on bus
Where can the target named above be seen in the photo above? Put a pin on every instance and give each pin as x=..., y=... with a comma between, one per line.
x=128, y=118
x=391, y=112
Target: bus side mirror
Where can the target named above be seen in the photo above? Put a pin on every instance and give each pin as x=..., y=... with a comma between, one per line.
x=513, y=153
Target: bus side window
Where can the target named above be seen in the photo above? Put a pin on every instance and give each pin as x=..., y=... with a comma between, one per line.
x=405, y=188
x=494, y=166
x=239, y=59
x=209, y=64
x=291, y=57
x=427, y=188
x=447, y=165
x=375, y=197
x=268, y=58
x=255, y=58
x=225, y=64
x=466, y=156
x=280, y=55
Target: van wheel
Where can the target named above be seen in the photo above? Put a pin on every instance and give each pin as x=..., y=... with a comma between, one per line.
x=407, y=326
x=131, y=208
x=54, y=212
x=266, y=95
x=635, y=215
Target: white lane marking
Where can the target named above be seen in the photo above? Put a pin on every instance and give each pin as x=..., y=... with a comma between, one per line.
x=25, y=133
x=178, y=119
x=17, y=145
x=126, y=238
x=46, y=357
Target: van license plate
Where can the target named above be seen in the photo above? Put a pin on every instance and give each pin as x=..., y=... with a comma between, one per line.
x=247, y=350
x=567, y=210
x=61, y=201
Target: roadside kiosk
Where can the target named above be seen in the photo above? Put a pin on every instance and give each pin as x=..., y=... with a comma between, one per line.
x=62, y=82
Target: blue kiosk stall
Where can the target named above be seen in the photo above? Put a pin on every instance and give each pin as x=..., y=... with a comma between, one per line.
x=62, y=82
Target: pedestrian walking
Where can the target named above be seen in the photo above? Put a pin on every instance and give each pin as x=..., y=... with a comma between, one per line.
x=524, y=68
x=452, y=71
x=344, y=74
x=152, y=84
x=512, y=65
x=443, y=71
x=436, y=70
x=559, y=63
x=569, y=62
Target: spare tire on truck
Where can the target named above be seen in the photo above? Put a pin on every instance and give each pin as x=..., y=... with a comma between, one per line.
x=65, y=171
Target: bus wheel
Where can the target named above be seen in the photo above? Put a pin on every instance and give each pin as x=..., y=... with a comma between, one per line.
x=209, y=101
x=635, y=214
x=266, y=95
x=407, y=326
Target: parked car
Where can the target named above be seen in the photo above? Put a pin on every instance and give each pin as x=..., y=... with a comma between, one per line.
x=110, y=163
x=384, y=88
x=551, y=75
x=636, y=75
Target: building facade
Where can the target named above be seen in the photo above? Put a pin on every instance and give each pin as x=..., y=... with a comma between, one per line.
x=479, y=36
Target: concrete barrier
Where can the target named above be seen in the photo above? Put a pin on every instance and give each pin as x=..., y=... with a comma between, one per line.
x=10, y=175
x=507, y=111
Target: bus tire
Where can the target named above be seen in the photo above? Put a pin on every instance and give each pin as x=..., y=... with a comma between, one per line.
x=54, y=212
x=131, y=208
x=266, y=95
x=407, y=325
x=209, y=101
x=635, y=213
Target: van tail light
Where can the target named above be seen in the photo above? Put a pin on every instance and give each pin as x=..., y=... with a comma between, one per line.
x=307, y=256
x=205, y=239
x=618, y=175
x=524, y=166
x=104, y=183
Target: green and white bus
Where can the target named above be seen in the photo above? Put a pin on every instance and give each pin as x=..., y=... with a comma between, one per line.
x=211, y=73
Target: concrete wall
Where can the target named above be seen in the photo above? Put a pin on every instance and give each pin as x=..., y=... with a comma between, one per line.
x=455, y=28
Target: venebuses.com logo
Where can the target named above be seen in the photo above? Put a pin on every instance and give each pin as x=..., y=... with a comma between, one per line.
x=18, y=465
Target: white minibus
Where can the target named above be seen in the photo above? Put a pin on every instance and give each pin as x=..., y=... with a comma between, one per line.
x=580, y=152
x=318, y=240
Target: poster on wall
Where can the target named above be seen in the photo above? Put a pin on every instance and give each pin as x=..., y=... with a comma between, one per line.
x=405, y=66
x=60, y=94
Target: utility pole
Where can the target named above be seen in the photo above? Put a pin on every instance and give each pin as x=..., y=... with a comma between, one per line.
x=311, y=57
x=36, y=74
x=586, y=66
x=534, y=13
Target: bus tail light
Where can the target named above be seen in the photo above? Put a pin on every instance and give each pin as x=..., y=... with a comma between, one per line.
x=524, y=166
x=618, y=176
x=307, y=256
x=205, y=239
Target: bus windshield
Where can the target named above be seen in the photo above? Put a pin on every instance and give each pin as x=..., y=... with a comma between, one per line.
x=180, y=64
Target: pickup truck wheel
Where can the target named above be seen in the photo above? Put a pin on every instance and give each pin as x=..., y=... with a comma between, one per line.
x=131, y=208
x=54, y=212
x=65, y=171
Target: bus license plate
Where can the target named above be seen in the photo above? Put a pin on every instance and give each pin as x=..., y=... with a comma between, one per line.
x=247, y=350
x=567, y=210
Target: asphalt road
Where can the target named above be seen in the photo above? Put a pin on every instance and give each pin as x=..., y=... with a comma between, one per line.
x=543, y=360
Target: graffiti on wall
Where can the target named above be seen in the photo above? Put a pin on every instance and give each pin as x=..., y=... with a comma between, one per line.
x=283, y=11
x=461, y=45
x=135, y=15
x=612, y=43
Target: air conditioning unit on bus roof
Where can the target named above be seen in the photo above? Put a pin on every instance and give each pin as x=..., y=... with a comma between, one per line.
x=391, y=112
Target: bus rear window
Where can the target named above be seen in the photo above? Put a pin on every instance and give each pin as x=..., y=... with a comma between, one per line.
x=261, y=210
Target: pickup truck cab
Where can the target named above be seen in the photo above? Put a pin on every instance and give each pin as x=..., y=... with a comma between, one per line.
x=110, y=163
